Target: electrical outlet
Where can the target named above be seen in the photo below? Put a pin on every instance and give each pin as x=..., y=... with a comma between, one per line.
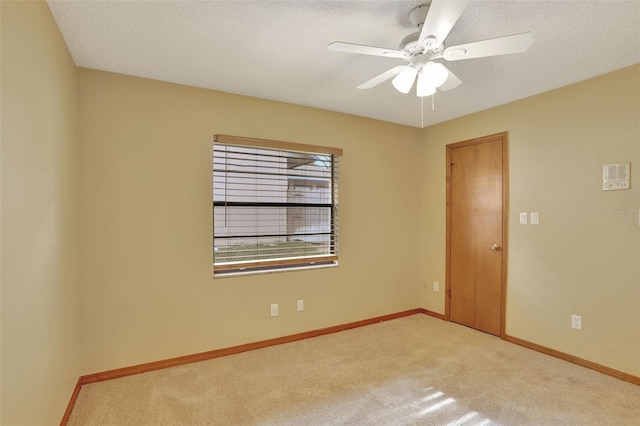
x=576, y=322
x=274, y=309
x=300, y=305
x=436, y=286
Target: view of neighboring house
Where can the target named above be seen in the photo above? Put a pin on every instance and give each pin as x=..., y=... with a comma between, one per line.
x=274, y=203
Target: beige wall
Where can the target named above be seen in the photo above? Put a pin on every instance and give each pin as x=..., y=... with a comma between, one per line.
x=146, y=222
x=138, y=154
x=40, y=333
x=578, y=260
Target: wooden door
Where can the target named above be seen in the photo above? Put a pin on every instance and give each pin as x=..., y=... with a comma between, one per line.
x=476, y=232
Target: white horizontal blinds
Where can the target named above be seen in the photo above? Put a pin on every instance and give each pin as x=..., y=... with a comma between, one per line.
x=273, y=207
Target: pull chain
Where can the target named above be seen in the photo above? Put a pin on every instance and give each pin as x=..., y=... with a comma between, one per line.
x=433, y=108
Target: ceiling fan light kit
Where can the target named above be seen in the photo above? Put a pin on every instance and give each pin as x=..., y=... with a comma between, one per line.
x=434, y=21
x=436, y=74
x=423, y=88
x=403, y=82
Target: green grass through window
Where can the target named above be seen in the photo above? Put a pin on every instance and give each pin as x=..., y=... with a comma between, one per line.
x=265, y=251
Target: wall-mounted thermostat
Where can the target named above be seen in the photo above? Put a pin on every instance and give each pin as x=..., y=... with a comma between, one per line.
x=616, y=176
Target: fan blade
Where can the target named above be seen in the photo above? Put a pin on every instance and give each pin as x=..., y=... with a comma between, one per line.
x=442, y=16
x=493, y=47
x=382, y=77
x=451, y=82
x=338, y=46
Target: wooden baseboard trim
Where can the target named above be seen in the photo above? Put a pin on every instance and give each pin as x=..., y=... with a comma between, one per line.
x=217, y=353
x=72, y=402
x=433, y=314
x=575, y=360
x=621, y=375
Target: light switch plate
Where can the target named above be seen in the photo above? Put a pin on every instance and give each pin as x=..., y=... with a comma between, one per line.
x=535, y=218
x=523, y=218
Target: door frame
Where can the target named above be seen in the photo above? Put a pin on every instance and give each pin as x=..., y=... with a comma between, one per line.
x=504, y=138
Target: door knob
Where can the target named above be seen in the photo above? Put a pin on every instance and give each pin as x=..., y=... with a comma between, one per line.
x=496, y=248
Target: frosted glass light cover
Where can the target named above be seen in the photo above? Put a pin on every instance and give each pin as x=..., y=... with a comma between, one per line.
x=436, y=74
x=403, y=82
x=423, y=87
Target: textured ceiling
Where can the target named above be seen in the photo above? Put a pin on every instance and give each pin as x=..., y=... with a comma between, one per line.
x=278, y=49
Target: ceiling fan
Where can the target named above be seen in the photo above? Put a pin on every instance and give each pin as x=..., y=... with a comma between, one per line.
x=435, y=20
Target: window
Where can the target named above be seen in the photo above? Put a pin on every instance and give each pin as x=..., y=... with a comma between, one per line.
x=275, y=205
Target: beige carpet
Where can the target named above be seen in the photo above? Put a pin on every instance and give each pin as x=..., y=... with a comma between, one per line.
x=416, y=370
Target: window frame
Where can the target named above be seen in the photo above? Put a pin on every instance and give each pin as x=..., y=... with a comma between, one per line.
x=283, y=263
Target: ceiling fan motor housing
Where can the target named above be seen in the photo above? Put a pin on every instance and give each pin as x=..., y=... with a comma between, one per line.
x=411, y=43
x=413, y=47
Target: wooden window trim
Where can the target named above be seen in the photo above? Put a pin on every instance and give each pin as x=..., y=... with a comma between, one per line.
x=273, y=144
x=282, y=264
x=302, y=262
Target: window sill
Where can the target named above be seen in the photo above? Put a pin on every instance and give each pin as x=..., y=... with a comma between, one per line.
x=219, y=275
